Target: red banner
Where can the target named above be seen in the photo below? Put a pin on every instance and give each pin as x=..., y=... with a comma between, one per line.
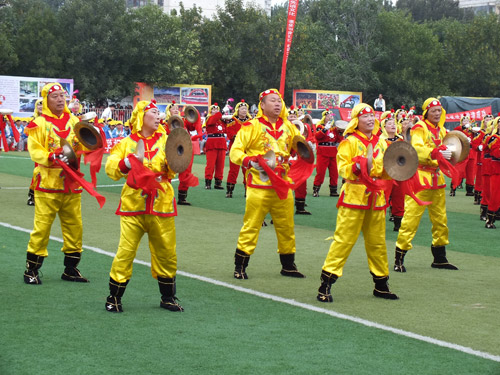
x=475, y=114
x=290, y=25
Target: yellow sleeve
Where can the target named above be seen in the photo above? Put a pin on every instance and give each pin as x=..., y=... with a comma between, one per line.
x=118, y=152
x=37, y=143
x=344, y=159
x=418, y=141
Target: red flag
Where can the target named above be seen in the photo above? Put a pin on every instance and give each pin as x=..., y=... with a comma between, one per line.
x=293, y=5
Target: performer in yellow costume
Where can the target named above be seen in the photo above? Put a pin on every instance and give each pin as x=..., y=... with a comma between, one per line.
x=145, y=209
x=53, y=194
x=362, y=204
x=270, y=130
x=426, y=137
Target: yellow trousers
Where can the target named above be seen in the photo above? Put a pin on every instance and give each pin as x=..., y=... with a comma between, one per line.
x=162, y=244
x=350, y=222
x=413, y=214
x=259, y=203
x=69, y=208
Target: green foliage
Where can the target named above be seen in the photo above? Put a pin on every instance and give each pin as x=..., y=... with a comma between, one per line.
x=408, y=52
x=433, y=10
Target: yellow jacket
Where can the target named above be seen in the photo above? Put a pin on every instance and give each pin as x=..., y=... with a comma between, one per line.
x=257, y=137
x=44, y=134
x=136, y=201
x=354, y=193
x=425, y=137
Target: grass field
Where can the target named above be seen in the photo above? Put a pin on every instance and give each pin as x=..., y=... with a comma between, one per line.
x=444, y=323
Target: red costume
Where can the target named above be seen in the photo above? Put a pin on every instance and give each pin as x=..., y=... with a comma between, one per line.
x=215, y=148
x=328, y=140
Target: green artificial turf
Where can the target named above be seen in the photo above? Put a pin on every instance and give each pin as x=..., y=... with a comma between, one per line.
x=61, y=327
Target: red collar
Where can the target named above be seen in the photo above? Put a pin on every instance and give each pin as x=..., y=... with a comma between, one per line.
x=60, y=123
x=373, y=140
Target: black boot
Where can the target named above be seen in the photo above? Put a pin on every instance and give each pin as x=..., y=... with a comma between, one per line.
x=167, y=291
x=452, y=191
x=469, y=190
x=333, y=191
x=218, y=184
x=381, y=289
x=288, y=267
x=230, y=188
x=477, y=197
x=182, y=195
x=483, y=209
x=327, y=279
x=397, y=223
x=31, y=198
x=299, y=205
x=71, y=273
x=208, y=184
x=241, y=260
x=400, y=259
x=490, y=220
x=33, y=264
x=114, y=300
x=460, y=185
x=316, y=190
x=391, y=216
x=440, y=261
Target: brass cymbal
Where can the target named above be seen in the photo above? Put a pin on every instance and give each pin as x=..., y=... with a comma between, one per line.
x=458, y=143
x=400, y=160
x=178, y=150
x=68, y=151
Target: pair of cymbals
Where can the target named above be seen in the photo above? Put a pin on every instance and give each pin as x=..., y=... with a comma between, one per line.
x=88, y=134
x=400, y=160
x=459, y=145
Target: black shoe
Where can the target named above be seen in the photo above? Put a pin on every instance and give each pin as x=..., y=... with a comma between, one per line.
x=73, y=274
x=114, y=304
x=31, y=277
x=440, y=260
x=288, y=266
x=171, y=304
x=30, y=202
x=384, y=295
x=327, y=279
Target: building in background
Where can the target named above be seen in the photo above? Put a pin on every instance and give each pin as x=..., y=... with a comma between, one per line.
x=208, y=7
x=491, y=6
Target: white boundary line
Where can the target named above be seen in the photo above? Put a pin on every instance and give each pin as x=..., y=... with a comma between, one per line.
x=305, y=306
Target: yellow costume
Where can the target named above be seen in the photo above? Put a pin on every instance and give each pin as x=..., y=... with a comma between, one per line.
x=53, y=194
x=257, y=137
x=426, y=138
x=142, y=212
x=360, y=208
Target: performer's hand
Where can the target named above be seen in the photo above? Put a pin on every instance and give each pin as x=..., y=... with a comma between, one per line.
x=63, y=158
x=127, y=163
x=328, y=125
x=480, y=147
x=446, y=154
x=256, y=165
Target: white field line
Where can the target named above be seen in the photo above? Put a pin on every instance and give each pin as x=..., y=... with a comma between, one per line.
x=305, y=306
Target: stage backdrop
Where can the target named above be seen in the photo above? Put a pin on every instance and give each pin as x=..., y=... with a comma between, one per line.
x=20, y=93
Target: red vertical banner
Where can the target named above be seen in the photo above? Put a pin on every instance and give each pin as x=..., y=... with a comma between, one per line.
x=290, y=24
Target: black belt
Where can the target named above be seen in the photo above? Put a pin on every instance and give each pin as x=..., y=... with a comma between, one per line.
x=216, y=135
x=327, y=144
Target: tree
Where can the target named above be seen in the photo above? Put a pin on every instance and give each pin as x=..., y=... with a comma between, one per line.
x=240, y=50
x=412, y=62
x=433, y=10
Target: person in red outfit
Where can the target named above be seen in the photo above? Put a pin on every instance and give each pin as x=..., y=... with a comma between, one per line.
x=476, y=145
x=493, y=146
x=467, y=166
x=186, y=178
x=240, y=116
x=215, y=147
x=326, y=153
x=301, y=190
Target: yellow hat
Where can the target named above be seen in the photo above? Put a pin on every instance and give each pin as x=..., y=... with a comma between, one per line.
x=323, y=116
x=494, y=125
x=49, y=88
x=242, y=103
x=358, y=110
x=433, y=102
x=167, y=110
x=137, y=118
x=284, y=112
